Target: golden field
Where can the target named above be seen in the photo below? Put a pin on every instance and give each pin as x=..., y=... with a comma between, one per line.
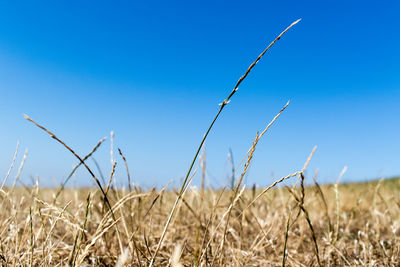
x=353, y=224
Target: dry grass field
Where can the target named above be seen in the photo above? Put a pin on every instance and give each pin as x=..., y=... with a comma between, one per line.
x=353, y=225
x=292, y=222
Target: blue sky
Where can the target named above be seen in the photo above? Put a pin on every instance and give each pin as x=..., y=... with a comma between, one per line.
x=154, y=72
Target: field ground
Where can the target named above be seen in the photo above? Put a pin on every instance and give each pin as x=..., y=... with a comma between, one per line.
x=353, y=225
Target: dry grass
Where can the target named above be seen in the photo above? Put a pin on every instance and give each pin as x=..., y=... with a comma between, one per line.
x=331, y=225
x=78, y=229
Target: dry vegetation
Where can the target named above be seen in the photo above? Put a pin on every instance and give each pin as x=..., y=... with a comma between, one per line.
x=363, y=230
x=296, y=225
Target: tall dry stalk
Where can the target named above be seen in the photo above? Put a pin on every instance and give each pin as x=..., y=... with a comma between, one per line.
x=222, y=105
x=11, y=166
x=80, y=160
x=236, y=190
x=337, y=228
x=230, y=158
x=300, y=202
x=21, y=166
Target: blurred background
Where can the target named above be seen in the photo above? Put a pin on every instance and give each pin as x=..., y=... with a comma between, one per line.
x=154, y=72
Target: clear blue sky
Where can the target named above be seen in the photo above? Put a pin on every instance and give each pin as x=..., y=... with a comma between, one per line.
x=154, y=72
